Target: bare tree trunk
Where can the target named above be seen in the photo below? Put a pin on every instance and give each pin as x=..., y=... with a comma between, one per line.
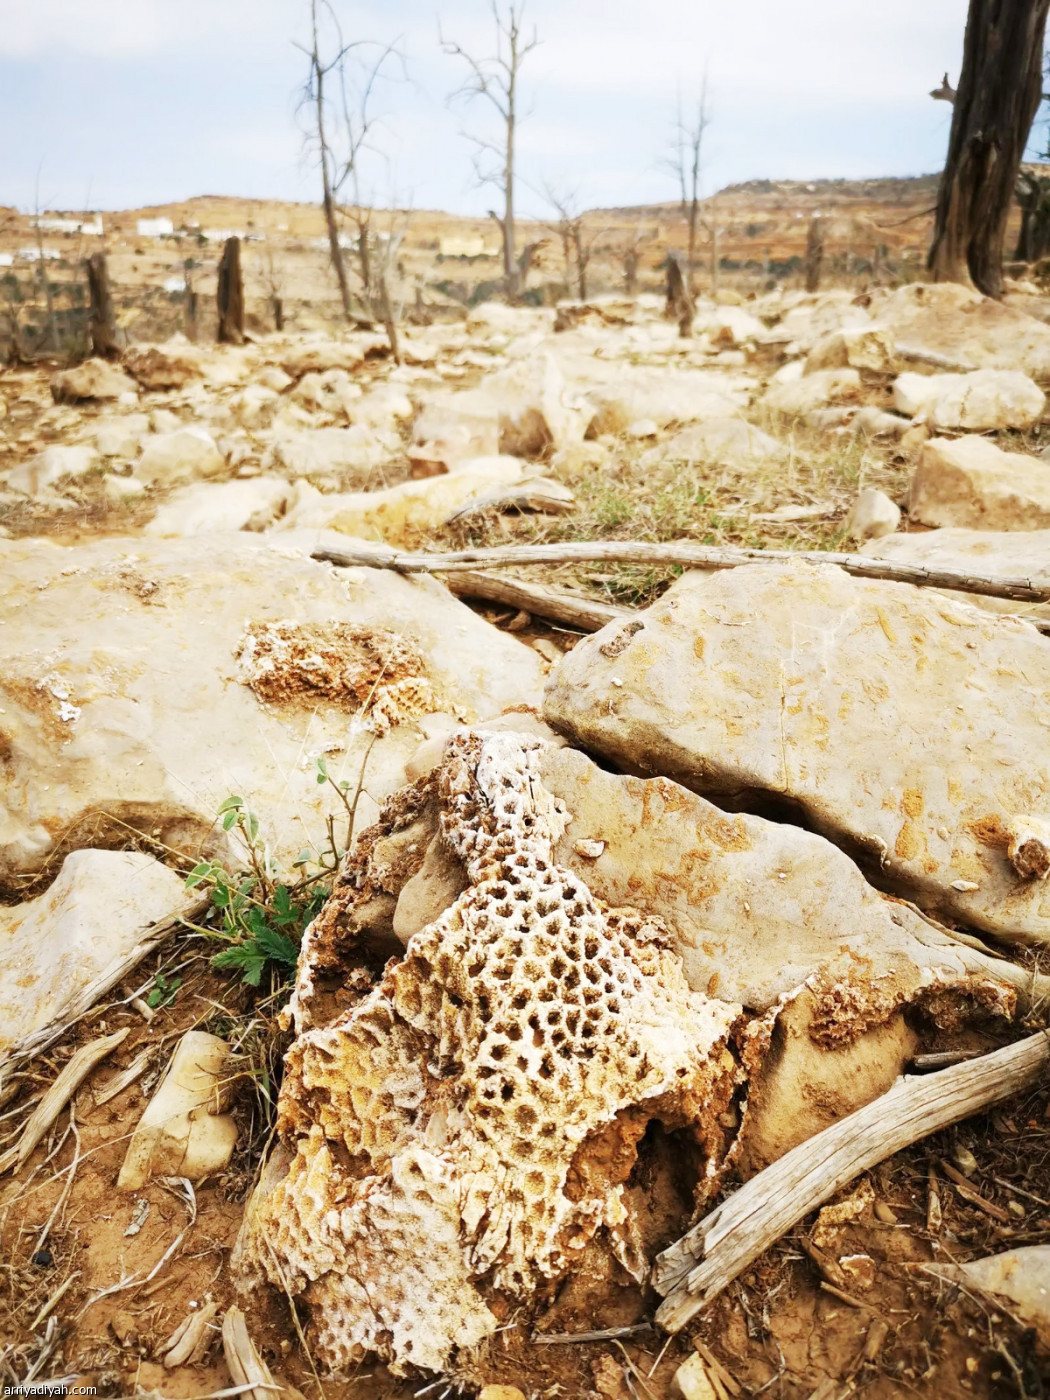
x=52, y=321
x=694, y=215
x=277, y=307
x=388, y=314
x=814, y=253
x=582, y=259
x=102, y=326
x=679, y=302
x=231, y=294
x=1000, y=88
x=364, y=260
x=630, y=271
x=1033, y=197
x=510, y=265
x=714, y=259
x=192, y=306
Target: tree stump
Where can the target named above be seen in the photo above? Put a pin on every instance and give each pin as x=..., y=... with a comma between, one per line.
x=814, y=253
x=102, y=326
x=231, y=294
x=1000, y=88
x=679, y=302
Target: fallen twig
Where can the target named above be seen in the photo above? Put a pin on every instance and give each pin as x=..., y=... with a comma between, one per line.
x=569, y=609
x=696, y=1269
x=56, y=1098
x=687, y=554
x=609, y=1334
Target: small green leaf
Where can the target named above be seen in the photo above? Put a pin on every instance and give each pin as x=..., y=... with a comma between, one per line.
x=228, y=820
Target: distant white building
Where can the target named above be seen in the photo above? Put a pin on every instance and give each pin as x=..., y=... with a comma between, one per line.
x=466, y=245
x=175, y=284
x=47, y=223
x=220, y=235
x=155, y=228
x=35, y=254
x=7, y=259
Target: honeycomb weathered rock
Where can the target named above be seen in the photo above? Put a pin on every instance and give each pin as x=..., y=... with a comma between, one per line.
x=467, y=1127
x=373, y=670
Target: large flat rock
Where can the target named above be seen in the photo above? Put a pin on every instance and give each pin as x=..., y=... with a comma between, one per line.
x=910, y=729
x=62, y=950
x=995, y=553
x=970, y=482
x=144, y=681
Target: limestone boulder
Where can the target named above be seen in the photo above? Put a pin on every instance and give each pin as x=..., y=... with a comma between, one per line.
x=207, y=507
x=996, y=553
x=451, y=428
x=161, y=366
x=54, y=464
x=970, y=482
x=400, y=514
x=565, y=1026
x=729, y=326
x=328, y=451
x=981, y=401
x=144, y=681
x=965, y=329
x=665, y=395
x=872, y=515
x=94, y=379
x=812, y=391
x=575, y=943
x=907, y=728
x=533, y=408
x=121, y=437
x=170, y=459
x=318, y=355
x=1021, y=1276
x=807, y=320
x=496, y=318
x=867, y=348
x=63, y=950
x=732, y=442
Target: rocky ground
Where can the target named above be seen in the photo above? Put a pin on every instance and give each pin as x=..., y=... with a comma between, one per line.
x=410, y=969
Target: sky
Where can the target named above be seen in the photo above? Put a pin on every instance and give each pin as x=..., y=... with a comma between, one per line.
x=126, y=103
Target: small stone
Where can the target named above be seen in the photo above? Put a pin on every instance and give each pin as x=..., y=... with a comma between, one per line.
x=501, y=1392
x=964, y=1160
x=124, y=1327
x=590, y=850
x=1016, y=1209
x=885, y=1213
x=692, y=1380
x=873, y=515
x=43, y=1259
x=965, y=886
x=859, y=1269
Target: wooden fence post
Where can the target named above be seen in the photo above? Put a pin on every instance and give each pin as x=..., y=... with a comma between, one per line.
x=102, y=326
x=231, y=294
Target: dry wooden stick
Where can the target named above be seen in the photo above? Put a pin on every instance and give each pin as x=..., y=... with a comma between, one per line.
x=56, y=1098
x=696, y=1269
x=570, y=609
x=686, y=553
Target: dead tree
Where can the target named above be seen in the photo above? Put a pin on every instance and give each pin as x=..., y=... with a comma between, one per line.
x=685, y=164
x=679, y=298
x=496, y=79
x=230, y=294
x=577, y=247
x=1033, y=197
x=338, y=95
x=814, y=252
x=102, y=326
x=1000, y=88
x=191, y=302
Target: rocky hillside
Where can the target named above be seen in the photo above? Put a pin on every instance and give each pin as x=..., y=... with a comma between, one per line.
x=494, y=975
